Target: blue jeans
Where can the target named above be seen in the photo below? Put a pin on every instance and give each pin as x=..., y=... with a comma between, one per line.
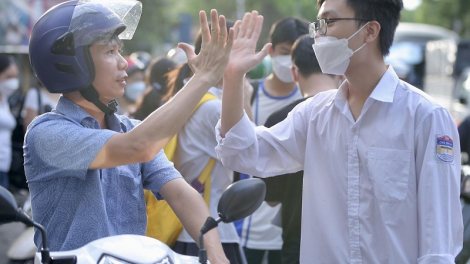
x=4, y=179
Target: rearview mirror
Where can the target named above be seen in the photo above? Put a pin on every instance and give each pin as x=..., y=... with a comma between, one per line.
x=241, y=199
x=8, y=206
x=238, y=201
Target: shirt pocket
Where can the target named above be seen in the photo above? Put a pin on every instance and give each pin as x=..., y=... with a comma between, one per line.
x=129, y=173
x=389, y=171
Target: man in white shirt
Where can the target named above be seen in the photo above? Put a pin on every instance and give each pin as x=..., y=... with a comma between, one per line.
x=260, y=238
x=381, y=159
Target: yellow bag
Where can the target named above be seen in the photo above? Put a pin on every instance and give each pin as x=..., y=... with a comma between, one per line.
x=162, y=222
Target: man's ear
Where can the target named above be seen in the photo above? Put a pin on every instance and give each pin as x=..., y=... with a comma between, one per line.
x=295, y=73
x=271, y=50
x=372, y=31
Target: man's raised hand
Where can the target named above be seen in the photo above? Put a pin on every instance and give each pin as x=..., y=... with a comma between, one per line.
x=243, y=56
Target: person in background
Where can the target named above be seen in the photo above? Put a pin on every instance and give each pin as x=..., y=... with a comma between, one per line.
x=287, y=189
x=177, y=78
x=261, y=239
x=381, y=159
x=142, y=56
x=156, y=79
x=278, y=89
x=464, y=135
x=9, y=83
x=178, y=55
x=135, y=86
x=37, y=102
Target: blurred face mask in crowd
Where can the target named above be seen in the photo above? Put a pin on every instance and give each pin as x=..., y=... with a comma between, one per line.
x=9, y=86
x=134, y=90
x=282, y=68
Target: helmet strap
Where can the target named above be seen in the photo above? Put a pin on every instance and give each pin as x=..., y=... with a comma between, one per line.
x=91, y=95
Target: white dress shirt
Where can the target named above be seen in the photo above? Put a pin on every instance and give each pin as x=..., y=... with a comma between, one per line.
x=7, y=124
x=196, y=143
x=382, y=189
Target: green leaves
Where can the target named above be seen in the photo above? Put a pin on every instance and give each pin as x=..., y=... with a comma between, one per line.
x=451, y=14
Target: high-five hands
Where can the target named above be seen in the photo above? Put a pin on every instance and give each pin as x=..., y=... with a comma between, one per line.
x=243, y=56
x=213, y=58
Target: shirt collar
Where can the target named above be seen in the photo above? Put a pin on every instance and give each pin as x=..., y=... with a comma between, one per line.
x=76, y=113
x=384, y=91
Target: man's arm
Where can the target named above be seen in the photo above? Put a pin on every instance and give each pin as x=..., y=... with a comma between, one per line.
x=440, y=227
x=242, y=59
x=143, y=142
x=192, y=211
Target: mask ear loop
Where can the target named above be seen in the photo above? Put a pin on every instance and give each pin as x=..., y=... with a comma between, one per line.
x=359, y=30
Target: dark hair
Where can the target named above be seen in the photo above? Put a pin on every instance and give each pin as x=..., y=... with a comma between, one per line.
x=198, y=42
x=156, y=75
x=5, y=62
x=386, y=12
x=304, y=57
x=287, y=30
x=156, y=79
x=176, y=80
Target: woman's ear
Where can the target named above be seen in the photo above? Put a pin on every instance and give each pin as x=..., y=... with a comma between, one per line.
x=372, y=31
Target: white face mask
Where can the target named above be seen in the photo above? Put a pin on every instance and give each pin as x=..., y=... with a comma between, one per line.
x=134, y=90
x=282, y=68
x=9, y=86
x=333, y=54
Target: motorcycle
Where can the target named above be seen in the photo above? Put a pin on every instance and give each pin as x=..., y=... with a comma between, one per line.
x=238, y=201
x=23, y=249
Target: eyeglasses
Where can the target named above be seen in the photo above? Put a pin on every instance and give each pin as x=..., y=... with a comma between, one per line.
x=321, y=25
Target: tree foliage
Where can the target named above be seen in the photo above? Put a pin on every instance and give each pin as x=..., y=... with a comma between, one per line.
x=153, y=26
x=450, y=14
x=161, y=17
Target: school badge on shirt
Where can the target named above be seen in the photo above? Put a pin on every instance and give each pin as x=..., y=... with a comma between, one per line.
x=445, y=148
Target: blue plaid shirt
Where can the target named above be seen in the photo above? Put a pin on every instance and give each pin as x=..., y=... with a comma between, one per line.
x=77, y=205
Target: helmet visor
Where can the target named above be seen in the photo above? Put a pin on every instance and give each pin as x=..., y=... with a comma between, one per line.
x=98, y=20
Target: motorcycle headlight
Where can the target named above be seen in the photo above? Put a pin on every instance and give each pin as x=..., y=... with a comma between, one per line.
x=106, y=259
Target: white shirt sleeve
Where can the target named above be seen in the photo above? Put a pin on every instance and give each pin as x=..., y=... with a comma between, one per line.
x=265, y=152
x=31, y=100
x=440, y=227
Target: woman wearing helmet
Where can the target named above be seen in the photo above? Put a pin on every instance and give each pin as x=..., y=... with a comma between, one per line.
x=86, y=166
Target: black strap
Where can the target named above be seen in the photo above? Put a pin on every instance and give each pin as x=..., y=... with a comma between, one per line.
x=40, y=108
x=255, y=84
x=92, y=95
